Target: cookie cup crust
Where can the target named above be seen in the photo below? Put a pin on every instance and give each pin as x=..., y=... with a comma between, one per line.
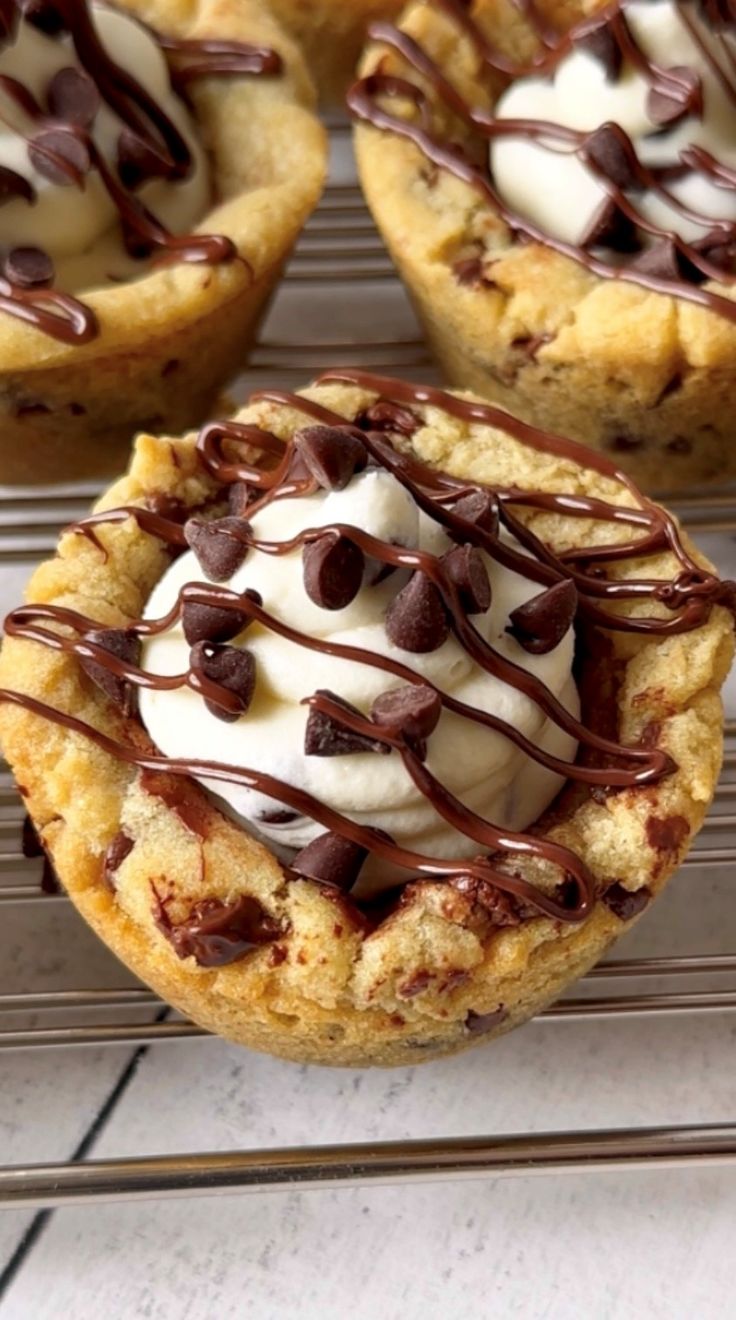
x=169, y=340
x=331, y=990
x=648, y=378
x=331, y=34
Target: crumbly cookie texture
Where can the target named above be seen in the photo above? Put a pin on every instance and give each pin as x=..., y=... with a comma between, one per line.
x=169, y=340
x=331, y=34
x=436, y=976
x=641, y=375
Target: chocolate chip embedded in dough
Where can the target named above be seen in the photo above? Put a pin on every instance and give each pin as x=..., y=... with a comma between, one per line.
x=332, y=455
x=540, y=625
x=626, y=903
x=333, y=571
x=115, y=854
x=325, y=736
x=217, y=933
x=332, y=860
x=73, y=96
x=465, y=568
x=416, y=619
x=230, y=667
x=480, y=1023
x=220, y=544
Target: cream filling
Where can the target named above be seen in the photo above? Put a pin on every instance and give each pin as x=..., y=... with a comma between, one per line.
x=79, y=227
x=482, y=768
x=556, y=191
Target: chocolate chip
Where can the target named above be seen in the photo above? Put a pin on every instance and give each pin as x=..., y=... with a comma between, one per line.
x=540, y=625
x=465, y=568
x=625, y=903
x=115, y=855
x=480, y=1023
x=73, y=96
x=279, y=816
x=138, y=161
x=44, y=15
x=28, y=267
x=333, y=571
x=677, y=94
x=599, y=40
x=625, y=443
x=416, y=619
x=167, y=506
x=389, y=417
x=609, y=227
x=480, y=508
x=661, y=259
x=331, y=860
x=239, y=496
x=470, y=272
x=413, y=710
x=220, y=545
x=217, y=933
x=608, y=149
x=231, y=668
x=14, y=185
x=325, y=736
x=332, y=455
x=122, y=646
x=59, y=155
x=211, y=623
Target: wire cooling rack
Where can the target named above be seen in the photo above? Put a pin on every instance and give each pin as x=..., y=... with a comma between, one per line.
x=339, y=274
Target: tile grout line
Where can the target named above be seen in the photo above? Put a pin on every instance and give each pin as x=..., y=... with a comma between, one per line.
x=83, y=1148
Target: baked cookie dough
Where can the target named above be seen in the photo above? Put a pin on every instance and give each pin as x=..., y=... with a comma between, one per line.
x=157, y=161
x=363, y=724
x=561, y=208
x=331, y=34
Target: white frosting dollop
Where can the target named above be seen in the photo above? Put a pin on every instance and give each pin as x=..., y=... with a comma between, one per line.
x=78, y=226
x=550, y=186
x=480, y=767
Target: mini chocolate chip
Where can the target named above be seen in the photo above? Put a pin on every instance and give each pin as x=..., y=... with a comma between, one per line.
x=465, y=568
x=679, y=445
x=479, y=508
x=121, y=645
x=625, y=443
x=469, y=271
x=325, y=736
x=211, y=623
x=332, y=455
x=279, y=816
x=661, y=259
x=530, y=345
x=413, y=710
x=138, y=161
x=217, y=933
x=333, y=571
x=677, y=94
x=480, y=1023
x=609, y=227
x=73, y=96
x=608, y=148
x=626, y=903
x=599, y=40
x=44, y=15
x=385, y=416
x=331, y=860
x=14, y=185
x=231, y=668
x=115, y=855
x=416, y=619
x=239, y=496
x=59, y=155
x=540, y=625
x=220, y=545
x=28, y=267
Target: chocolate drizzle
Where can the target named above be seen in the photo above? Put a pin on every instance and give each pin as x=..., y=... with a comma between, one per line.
x=621, y=226
x=62, y=147
x=404, y=723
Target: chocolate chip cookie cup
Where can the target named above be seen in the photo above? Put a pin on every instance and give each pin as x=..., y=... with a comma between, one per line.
x=362, y=724
x=332, y=34
x=562, y=210
x=157, y=162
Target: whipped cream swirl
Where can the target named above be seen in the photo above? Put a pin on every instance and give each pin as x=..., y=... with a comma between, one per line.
x=482, y=768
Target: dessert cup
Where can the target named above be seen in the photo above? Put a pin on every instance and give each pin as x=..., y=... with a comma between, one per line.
x=339, y=816
x=162, y=343
x=618, y=337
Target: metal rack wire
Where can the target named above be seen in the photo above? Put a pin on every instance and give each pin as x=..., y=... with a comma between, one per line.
x=339, y=248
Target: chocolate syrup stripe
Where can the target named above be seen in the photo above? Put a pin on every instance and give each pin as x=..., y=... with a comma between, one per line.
x=372, y=840
x=60, y=315
x=363, y=100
